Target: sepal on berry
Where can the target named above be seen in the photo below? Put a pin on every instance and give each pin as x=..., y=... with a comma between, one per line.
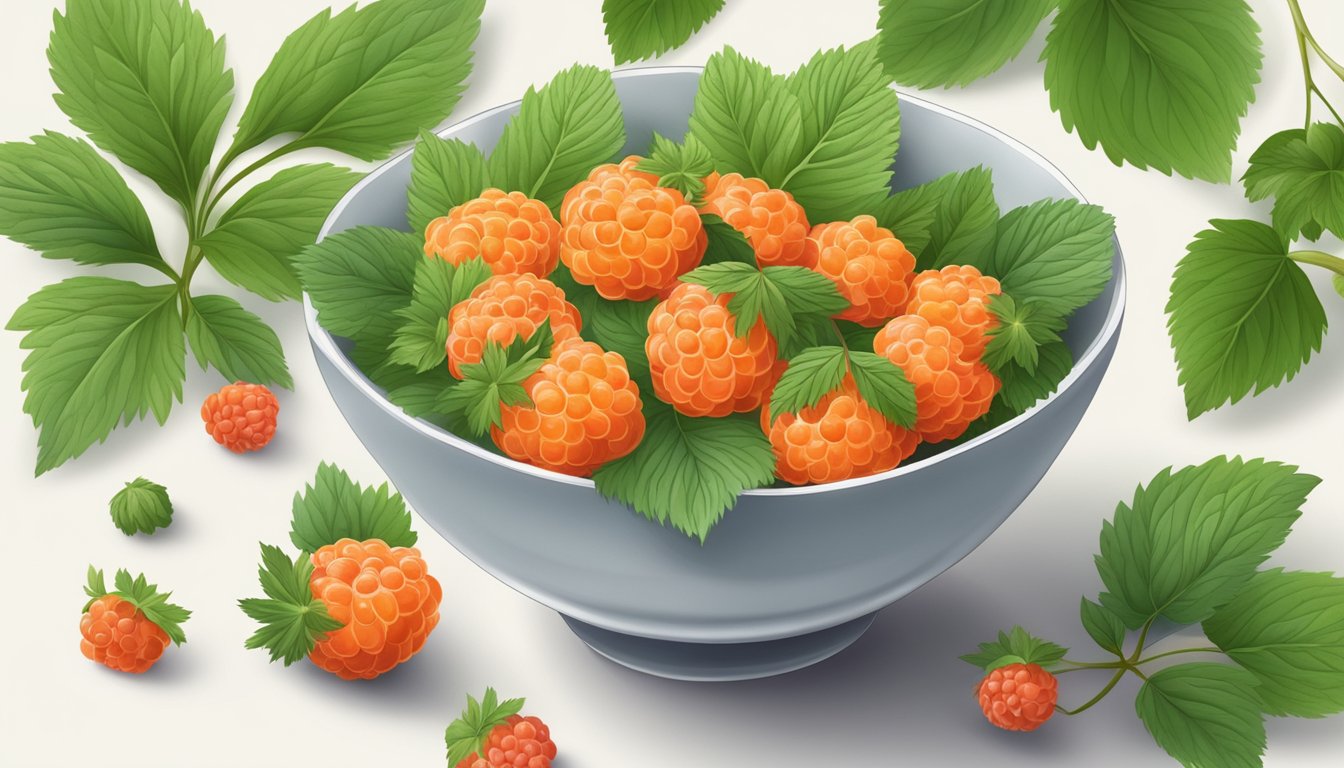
x=777, y=296
x=682, y=167
x=497, y=380
x=815, y=372
x=1022, y=330
x=467, y=734
x=144, y=596
x=292, y=619
x=1016, y=647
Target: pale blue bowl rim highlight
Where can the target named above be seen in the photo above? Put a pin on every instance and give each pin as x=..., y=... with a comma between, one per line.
x=323, y=341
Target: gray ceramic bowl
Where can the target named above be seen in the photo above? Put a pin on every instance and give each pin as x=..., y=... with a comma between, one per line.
x=791, y=575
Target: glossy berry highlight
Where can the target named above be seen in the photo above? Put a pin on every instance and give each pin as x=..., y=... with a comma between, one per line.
x=241, y=416
x=870, y=266
x=505, y=308
x=950, y=390
x=1018, y=697
x=772, y=221
x=956, y=298
x=509, y=231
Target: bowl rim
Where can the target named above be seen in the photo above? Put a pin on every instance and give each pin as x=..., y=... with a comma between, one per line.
x=324, y=343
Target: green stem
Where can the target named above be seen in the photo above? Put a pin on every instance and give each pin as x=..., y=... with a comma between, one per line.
x=1299, y=30
x=1319, y=259
x=1307, y=38
x=1173, y=653
x=249, y=170
x=1143, y=638
x=1119, y=673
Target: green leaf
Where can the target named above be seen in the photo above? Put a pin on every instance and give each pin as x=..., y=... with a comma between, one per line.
x=811, y=374
x=1303, y=170
x=152, y=603
x=1058, y=252
x=928, y=43
x=146, y=80
x=467, y=734
x=689, y=471
x=1105, y=628
x=857, y=336
x=559, y=134
x=643, y=29
x=236, y=342
x=1287, y=629
x=1204, y=715
x=964, y=218
x=1022, y=331
x=1019, y=644
x=777, y=296
x=365, y=80
x=1192, y=539
x=1242, y=315
x=60, y=197
x=255, y=240
x=445, y=173
x=623, y=327
x=293, y=620
x=439, y=286
x=1157, y=84
x=1022, y=388
x=724, y=242
x=851, y=128
x=749, y=117
x=102, y=351
x=497, y=381
x=358, y=279
x=885, y=387
x=334, y=507
x=682, y=167
x=141, y=507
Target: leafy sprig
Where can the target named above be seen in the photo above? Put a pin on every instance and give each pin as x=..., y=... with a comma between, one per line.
x=104, y=352
x=141, y=506
x=467, y=734
x=144, y=596
x=292, y=619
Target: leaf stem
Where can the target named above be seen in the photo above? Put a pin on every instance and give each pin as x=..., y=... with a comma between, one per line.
x=1119, y=673
x=249, y=170
x=1319, y=259
x=1299, y=30
x=1143, y=638
x=1209, y=649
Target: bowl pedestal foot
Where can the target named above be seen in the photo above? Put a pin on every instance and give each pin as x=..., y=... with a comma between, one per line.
x=706, y=662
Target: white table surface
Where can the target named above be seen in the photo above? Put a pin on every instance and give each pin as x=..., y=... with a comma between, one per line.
x=898, y=697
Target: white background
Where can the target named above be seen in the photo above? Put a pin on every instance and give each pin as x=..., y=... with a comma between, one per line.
x=898, y=697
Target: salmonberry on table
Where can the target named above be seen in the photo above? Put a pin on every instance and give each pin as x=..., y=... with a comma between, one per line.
x=951, y=391
x=510, y=231
x=772, y=221
x=957, y=298
x=241, y=416
x=584, y=412
x=702, y=361
x=1018, y=697
x=129, y=628
x=492, y=734
x=626, y=236
x=502, y=309
x=870, y=266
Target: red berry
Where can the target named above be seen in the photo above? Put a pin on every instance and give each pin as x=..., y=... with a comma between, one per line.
x=1018, y=697
x=241, y=416
x=521, y=742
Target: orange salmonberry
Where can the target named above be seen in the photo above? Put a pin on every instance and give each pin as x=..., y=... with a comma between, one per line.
x=241, y=416
x=771, y=219
x=839, y=437
x=510, y=231
x=118, y=635
x=502, y=309
x=521, y=742
x=585, y=412
x=386, y=598
x=701, y=362
x=626, y=236
x=1018, y=697
x=950, y=390
x=868, y=264
x=957, y=298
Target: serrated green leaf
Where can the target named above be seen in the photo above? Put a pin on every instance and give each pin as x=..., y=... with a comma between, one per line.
x=780, y=297
x=725, y=243
x=439, y=286
x=236, y=342
x=644, y=29
x=358, y=279
x=1287, y=629
x=469, y=731
x=255, y=240
x=496, y=381
x=152, y=603
x=60, y=197
x=1242, y=315
x=1204, y=715
x=964, y=219
x=928, y=43
x=1018, y=643
x=1156, y=84
x=146, y=80
x=102, y=351
x=811, y=374
x=885, y=387
x=682, y=167
x=1057, y=252
x=1303, y=170
x=560, y=133
x=851, y=128
x=688, y=472
x=1192, y=539
x=749, y=117
x=1105, y=628
x=365, y=80
x=623, y=327
x=1021, y=389
x=1021, y=332
x=141, y=507
x=857, y=336
x=293, y=620
x=445, y=173
x=334, y=507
